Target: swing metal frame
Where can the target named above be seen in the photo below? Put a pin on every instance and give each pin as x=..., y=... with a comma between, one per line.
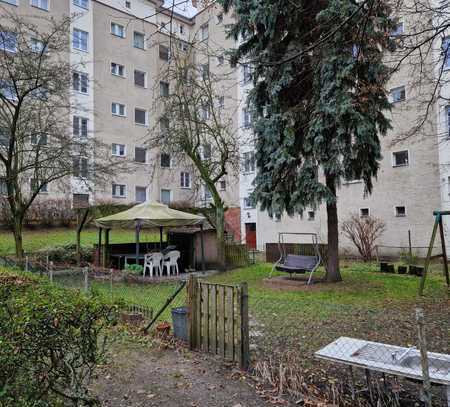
x=437, y=224
x=298, y=264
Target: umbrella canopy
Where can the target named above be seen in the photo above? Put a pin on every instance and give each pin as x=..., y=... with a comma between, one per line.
x=149, y=214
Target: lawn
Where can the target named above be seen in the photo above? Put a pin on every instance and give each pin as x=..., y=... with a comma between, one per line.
x=46, y=238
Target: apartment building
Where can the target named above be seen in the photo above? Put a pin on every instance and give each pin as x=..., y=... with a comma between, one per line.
x=121, y=50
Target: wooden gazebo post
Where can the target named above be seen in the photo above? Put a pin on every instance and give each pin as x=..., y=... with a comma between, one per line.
x=99, y=252
x=160, y=237
x=138, y=231
x=202, y=245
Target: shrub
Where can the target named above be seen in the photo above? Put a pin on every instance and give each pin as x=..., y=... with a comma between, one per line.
x=64, y=254
x=134, y=268
x=51, y=340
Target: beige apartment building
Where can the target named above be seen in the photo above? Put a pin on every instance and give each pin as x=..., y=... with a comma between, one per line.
x=123, y=48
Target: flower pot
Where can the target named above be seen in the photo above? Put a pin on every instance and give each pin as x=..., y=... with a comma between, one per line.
x=402, y=269
x=163, y=329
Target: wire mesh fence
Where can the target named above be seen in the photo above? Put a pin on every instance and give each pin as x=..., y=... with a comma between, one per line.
x=131, y=293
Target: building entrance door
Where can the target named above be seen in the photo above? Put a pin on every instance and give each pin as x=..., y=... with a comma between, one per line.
x=250, y=235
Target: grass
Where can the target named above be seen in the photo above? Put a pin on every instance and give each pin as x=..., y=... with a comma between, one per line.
x=34, y=240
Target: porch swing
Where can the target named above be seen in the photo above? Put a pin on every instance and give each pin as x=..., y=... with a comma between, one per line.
x=295, y=263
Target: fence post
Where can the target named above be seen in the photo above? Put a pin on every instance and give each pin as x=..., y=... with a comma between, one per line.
x=245, y=362
x=50, y=272
x=26, y=264
x=192, y=293
x=86, y=279
x=424, y=357
x=111, y=283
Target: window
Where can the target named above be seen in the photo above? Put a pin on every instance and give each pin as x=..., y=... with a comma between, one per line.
x=311, y=215
x=249, y=161
x=117, y=69
x=246, y=118
x=8, y=41
x=220, y=60
x=278, y=217
x=37, y=45
x=43, y=4
x=80, y=40
x=220, y=18
x=446, y=51
x=80, y=126
x=165, y=160
x=204, y=32
x=128, y=4
x=80, y=167
x=205, y=113
x=118, y=150
x=206, y=151
x=164, y=53
x=164, y=89
x=80, y=82
x=140, y=116
x=7, y=90
x=223, y=185
x=118, y=30
x=13, y=2
x=4, y=136
x=39, y=139
x=398, y=30
x=364, y=212
x=141, y=194
x=140, y=155
x=140, y=78
x=206, y=193
x=183, y=46
x=119, y=190
x=400, y=158
x=204, y=70
x=36, y=185
x=221, y=102
x=118, y=109
x=181, y=29
x=166, y=195
x=138, y=40
x=249, y=203
x=185, y=180
x=398, y=94
x=81, y=3
x=246, y=73
x=400, y=211
x=3, y=187
x=164, y=125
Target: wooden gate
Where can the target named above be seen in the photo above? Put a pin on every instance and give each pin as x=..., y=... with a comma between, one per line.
x=218, y=319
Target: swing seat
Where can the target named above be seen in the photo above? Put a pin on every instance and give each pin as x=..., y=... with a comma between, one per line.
x=298, y=264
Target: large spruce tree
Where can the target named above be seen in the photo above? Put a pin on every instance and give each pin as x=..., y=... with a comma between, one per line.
x=319, y=99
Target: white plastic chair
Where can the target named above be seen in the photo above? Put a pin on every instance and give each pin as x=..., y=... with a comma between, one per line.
x=153, y=261
x=171, y=260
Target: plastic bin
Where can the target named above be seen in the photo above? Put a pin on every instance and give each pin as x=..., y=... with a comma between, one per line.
x=180, y=323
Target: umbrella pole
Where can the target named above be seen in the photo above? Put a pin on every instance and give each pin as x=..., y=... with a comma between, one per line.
x=161, y=237
x=138, y=229
x=202, y=245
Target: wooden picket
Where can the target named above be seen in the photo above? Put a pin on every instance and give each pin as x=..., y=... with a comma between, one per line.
x=218, y=319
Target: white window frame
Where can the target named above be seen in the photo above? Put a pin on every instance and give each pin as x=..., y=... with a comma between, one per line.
x=118, y=66
x=135, y=193
x=12, y=2
x=170, y=160
x=313, y=217
x=170, y=195
x=118, y=105
x=223, y=185
x=392, y=92
x=44, y=188
x=164, y=85
x=146, y=117
x=396, y=213
x=185, y=175
x=78, y=47
x=251, y=160
x=115, y=150
x=246, y=113
x=220, y=60
x=397, y=33
x=38, y=4
x=219, y=18
x=395, y=165
x=81, y=75
x=80, y=126
x=113, y=190
x=79, y=3
x=145, y=158
x=248, y=204
x=12, y=34
x=145, y=78
x=143, y=39
x=124, y=32
x=37, y=46
x=446, y=52
x=204, y=29
x=361, y=214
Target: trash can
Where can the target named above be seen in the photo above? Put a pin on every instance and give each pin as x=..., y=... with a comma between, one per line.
x=180, y=323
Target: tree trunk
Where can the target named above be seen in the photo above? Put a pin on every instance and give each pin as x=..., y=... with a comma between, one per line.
x=333, y=274
x=220, y=233
x=18, y=228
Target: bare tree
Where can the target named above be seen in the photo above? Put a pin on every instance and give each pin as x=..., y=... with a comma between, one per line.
x=37, y=144
x=363, y=232
x=195, y=126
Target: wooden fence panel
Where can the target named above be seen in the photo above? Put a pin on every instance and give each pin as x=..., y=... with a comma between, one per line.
x=216, y=320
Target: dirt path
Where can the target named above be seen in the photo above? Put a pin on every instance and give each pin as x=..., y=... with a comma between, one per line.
x=171, y=378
